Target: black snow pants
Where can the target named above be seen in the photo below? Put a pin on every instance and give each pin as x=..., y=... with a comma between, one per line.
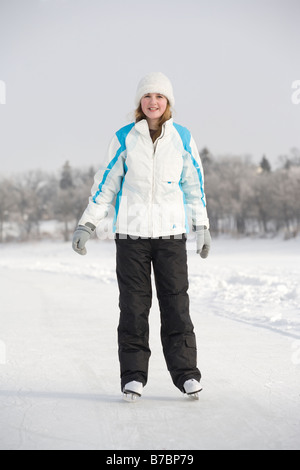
x=168, y=256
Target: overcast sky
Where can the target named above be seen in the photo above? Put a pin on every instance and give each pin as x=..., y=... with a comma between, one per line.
x=71, y=69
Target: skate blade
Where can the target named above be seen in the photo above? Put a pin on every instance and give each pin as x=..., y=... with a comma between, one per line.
x=195, y=395
x=130, y=397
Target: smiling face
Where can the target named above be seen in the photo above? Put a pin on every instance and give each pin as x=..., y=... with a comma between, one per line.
x=153, y=106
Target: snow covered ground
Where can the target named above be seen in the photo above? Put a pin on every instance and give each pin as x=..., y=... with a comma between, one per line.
x=59, y=373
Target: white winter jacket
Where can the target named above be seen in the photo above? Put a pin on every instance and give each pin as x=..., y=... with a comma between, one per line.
x=156, y=189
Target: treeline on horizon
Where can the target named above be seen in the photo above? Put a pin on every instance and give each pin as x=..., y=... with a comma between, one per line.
x=243, y=199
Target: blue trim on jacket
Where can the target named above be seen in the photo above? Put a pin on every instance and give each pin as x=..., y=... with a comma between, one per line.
x=121, y=135
x=185, y=136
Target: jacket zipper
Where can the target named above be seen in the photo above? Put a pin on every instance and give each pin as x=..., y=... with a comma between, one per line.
x=155, y=145
x=152, y=196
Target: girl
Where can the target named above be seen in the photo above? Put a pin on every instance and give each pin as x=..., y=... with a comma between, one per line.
x=154, y=177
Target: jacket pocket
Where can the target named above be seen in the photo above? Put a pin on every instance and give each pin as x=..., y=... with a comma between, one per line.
x=171, y=177
x=172, y=172
x=170, y=185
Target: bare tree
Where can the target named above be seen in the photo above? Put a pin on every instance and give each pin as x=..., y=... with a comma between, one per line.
x=71, y=197
x=7, y=204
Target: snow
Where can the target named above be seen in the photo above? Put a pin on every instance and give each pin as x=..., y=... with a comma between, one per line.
x=59, y=371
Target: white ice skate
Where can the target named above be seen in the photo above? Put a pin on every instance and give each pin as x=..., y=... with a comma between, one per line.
x=192, y=388
x=133, y=391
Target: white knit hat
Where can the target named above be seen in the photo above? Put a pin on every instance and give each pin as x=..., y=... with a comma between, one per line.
x=155, y=82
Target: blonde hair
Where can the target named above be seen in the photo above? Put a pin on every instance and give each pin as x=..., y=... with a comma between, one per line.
x=139, y=116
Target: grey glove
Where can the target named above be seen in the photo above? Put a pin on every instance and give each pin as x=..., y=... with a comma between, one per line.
x=203, y=241
x=81, y=235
